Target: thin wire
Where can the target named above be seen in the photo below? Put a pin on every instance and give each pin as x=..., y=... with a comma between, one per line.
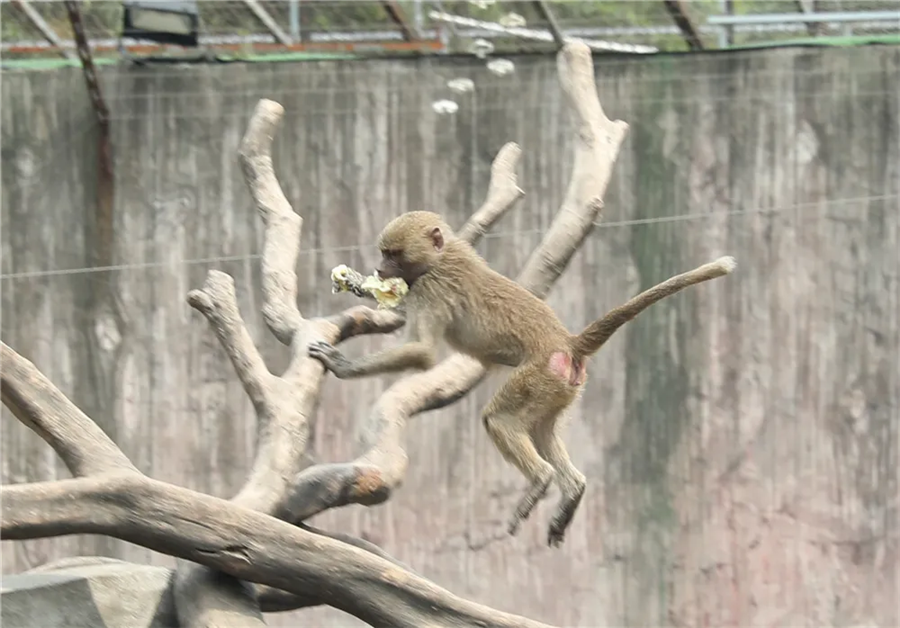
x=326, y=68
x=774, y=98
x=140, y=265
x=777, y=96
x=254, y=83
x=493, y=235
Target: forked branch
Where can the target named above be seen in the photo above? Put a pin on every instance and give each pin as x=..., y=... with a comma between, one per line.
x=116, y=500
x=217, y=301
x=293, y=566
x=503, y=192
x=282, y=234
x=110, y=497
x=243, y=543
x=35, y=401
x=282, y=404
x=370, y=478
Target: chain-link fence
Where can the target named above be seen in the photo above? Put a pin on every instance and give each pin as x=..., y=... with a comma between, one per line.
x=480, y=26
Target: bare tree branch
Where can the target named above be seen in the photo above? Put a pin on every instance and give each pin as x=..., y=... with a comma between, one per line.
x=282, y=404
x=282, y=239
x=372, y=477
x=218, y=303
x=503, y=192
x=271, y=600
x=597, y=145
x=545, y=11
x=244, y=543
x=35, y=401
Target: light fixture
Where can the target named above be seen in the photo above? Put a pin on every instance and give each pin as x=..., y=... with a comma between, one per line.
x=170, y=22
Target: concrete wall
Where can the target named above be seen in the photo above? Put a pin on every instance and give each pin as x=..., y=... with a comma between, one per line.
x=741, y=440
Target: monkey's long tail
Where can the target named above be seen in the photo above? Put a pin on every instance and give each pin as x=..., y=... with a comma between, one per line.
x=597, y=333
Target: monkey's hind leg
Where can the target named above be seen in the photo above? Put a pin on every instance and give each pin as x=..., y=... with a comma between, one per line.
x=570, y=480
x=508, y=419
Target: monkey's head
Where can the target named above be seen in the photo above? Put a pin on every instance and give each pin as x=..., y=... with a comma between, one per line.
x=411, y=245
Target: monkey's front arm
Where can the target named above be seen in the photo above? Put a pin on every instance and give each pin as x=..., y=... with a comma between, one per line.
x=416, y=355
x=419, y=354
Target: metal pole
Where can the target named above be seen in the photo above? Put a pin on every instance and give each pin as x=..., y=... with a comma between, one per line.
x=537, y=35
x=726, y=33
x=103, y=252
x=809, y=6
x=396, y=14
x=418, y=17
x=684, y=23
x=552, y=24
x=268, y=21
x=294, y=8
x=48, y=33
x=786, y=18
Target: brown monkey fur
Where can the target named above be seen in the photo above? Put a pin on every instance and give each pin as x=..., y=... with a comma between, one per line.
x=455, y=296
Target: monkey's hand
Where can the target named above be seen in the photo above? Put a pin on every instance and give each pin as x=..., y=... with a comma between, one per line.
x=417, y=355
x=331, y=358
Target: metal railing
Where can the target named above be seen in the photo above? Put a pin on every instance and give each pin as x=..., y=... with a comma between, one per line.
x=35, y=26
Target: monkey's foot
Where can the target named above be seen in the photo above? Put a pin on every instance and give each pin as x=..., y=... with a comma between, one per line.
x=563, y=517
x=523, y=510
x=535, y=492
x=330, y=357
x=556, y=535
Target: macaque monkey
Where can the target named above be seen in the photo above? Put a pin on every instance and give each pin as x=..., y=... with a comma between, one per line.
x=455, y=296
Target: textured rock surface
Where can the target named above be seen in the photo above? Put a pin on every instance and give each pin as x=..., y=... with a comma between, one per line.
x=87, y=592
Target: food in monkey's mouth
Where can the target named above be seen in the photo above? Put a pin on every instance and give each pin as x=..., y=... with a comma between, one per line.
x=387, y=292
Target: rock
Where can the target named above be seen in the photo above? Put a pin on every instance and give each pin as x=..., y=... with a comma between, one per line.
x=88, y=592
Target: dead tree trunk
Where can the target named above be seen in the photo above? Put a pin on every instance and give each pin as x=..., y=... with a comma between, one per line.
x=253, y=553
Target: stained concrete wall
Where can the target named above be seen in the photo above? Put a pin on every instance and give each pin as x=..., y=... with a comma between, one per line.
x=740, y=440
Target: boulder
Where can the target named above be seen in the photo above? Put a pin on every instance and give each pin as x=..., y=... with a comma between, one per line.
x=88, y=592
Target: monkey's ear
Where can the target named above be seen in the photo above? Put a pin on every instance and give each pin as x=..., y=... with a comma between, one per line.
x=437, y=238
